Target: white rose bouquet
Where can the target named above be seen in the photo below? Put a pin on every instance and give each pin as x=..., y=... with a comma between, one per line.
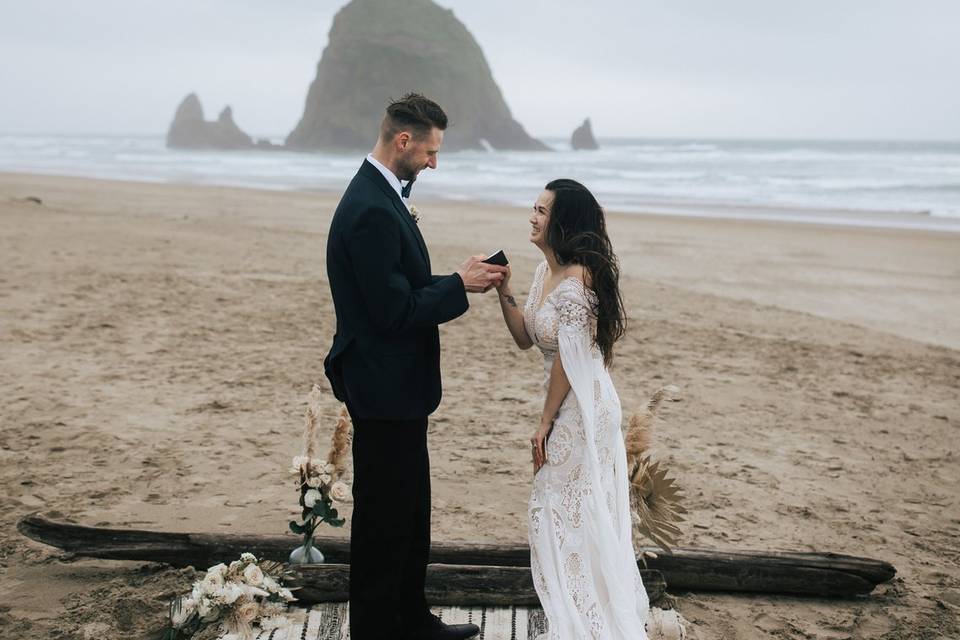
x=321, y=482
x=232, y=599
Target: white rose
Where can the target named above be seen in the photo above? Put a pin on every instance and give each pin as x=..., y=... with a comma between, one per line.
x=310, y=498
x=253, y=575
x=313, y=481
x=248, y=557
x=340, y=492
x=329, y=468
x=218, y=569
x=248, y=612
x=235, y=567
x=326, y=478
x=212, y=583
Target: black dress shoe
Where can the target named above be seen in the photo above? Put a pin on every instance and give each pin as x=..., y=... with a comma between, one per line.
x=435, y=629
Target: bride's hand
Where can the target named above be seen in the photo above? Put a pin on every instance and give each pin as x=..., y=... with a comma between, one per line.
x=503, y=286
x=538, y=446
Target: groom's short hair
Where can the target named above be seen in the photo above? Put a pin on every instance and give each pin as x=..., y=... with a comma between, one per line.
x=413, y=113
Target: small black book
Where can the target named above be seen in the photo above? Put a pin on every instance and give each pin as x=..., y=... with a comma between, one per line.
x=499, y=258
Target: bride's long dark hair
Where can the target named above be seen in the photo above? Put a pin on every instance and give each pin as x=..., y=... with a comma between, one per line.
x=577, y=234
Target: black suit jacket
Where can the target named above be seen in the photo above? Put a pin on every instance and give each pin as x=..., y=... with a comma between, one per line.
x=385, y=358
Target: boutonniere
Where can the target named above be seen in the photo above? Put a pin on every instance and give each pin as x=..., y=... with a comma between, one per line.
x=414, y=214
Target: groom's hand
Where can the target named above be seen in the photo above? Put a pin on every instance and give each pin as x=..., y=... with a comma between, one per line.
x=480, y=277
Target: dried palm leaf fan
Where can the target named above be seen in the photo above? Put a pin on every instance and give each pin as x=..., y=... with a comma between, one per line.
x=655, y=499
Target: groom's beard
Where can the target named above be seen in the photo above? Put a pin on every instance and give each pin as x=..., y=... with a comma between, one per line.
x=407, y=171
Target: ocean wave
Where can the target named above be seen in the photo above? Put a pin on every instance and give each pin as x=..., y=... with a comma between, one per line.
x=950, y=187
x=946, y=213
x=866, y=177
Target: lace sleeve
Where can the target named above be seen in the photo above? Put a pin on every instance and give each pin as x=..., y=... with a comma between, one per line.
x=575, y=311
x=536, y=287
x=575, y=307
x=607, y=527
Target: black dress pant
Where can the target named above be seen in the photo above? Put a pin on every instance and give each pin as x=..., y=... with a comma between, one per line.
x=390, y=531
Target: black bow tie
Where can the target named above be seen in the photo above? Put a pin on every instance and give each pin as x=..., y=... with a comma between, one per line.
x=405, y=191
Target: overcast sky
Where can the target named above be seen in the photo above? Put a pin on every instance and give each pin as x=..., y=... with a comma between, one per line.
x=684, y=68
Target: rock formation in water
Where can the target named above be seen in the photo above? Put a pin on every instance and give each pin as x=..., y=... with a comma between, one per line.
x=190, y=131
x=383, y=49
x=582, y=137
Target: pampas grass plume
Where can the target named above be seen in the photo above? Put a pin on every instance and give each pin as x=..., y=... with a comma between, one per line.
x=340, y=443
x=637, y=439
x=310, y=421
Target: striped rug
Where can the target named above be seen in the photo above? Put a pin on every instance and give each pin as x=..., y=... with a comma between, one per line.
x=331, y=621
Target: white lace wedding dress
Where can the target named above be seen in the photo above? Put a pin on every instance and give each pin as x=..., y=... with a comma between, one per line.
x=581, y=553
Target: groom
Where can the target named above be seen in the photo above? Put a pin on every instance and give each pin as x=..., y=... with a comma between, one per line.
x=385, y=365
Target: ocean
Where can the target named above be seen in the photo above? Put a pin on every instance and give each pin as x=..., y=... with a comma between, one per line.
x=863, y=183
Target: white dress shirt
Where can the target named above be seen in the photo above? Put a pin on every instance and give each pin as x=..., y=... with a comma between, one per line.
x=392, y=179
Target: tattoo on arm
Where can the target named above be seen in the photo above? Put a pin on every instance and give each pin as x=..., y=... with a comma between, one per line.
x=511, y=301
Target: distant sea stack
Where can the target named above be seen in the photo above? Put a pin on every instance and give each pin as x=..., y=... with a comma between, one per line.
x=383, y=49
x=582, y=138
x=190, y=131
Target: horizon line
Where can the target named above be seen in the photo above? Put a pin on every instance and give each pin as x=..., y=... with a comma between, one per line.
x=684, y=137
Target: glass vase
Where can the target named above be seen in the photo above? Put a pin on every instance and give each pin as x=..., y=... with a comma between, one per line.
x=306, y=554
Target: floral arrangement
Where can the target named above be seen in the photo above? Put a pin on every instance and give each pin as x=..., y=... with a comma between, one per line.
x=321, y=482
x=238, y=596
x=414, y=213
x=232, y=599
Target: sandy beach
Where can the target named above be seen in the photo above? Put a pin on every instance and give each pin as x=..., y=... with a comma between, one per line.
x=159, y=341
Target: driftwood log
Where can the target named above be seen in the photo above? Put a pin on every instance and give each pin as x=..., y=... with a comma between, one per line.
x=447, y=584
x=815, y=574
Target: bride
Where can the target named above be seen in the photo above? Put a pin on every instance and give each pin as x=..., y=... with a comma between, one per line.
x=581, y=553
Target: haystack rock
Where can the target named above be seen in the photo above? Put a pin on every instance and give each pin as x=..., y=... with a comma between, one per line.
x=190, y=131
x=382, y=49
x=582, y=137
